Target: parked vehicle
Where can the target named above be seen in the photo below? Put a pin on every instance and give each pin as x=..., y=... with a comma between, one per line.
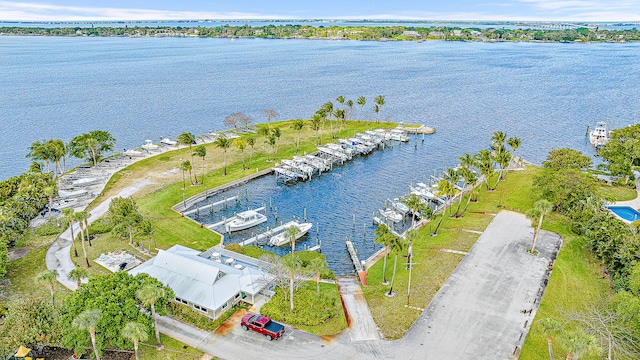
x=262, y=325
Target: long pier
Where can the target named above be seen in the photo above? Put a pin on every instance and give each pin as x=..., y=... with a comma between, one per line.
x=267, y=234
x=362, y=273
x=211, y=206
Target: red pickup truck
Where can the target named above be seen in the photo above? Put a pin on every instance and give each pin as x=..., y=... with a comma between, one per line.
x=263, y=325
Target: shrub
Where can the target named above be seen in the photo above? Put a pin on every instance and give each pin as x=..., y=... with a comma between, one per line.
x=311, y=309
x=100, y=226
x=51, y=227
x=234, y=247
x=191, y=316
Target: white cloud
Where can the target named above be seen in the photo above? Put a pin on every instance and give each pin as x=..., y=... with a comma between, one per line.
x=22, y=11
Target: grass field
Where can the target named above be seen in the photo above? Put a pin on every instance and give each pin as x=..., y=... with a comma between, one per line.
x=619, y=193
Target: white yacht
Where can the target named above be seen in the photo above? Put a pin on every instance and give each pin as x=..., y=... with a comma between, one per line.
x=167, y=141
x=245, y=220
x=282, y=239
x=391, y=215
x=600, y=135
x=149, y=145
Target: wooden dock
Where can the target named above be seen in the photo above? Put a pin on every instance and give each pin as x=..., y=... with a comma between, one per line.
x=211, y=206
x=427, y=130
x=362, y=273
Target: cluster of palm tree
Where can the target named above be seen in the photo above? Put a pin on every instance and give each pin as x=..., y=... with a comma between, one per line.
x=127, y=220
x=396, y=244
x=51, y=152
x=271, y=135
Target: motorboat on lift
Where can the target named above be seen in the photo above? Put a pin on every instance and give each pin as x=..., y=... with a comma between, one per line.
x=282, y=239
x=245, y=220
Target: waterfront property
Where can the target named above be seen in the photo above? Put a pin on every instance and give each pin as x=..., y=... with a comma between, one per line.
x=211, y=282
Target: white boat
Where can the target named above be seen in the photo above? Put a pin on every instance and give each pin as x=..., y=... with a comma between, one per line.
x=400, y=207
x=600, y=135
x=282, y=239
x=132, y=153
x=167, y=141
x=245, y=220
x=399, y=135
x=390, y=215
x=149, y=145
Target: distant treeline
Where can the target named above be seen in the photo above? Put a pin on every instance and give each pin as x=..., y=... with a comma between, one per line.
x=374, y=33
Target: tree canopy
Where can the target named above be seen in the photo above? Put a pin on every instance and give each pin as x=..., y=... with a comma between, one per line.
x=560, y=159
x=622, y=151
x=91, y=146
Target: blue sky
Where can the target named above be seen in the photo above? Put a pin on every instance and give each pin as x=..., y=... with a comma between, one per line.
x=567, y=10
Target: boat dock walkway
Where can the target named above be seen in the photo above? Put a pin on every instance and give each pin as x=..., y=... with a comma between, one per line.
x=419, y=130
x=213, y=205
x=362, y=273
x=267, y=234
x=224, y=221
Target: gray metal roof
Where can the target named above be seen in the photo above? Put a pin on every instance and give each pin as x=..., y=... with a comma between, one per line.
x=200, y=280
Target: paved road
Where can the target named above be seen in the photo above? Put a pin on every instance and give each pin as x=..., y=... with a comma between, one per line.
x=58, y=255
x=361, y=324
x=477, y=314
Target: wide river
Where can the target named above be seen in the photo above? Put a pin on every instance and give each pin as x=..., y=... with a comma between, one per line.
x=144, y=88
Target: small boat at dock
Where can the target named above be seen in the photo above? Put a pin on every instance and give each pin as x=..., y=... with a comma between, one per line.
x=167, y=141
x=245, y=220
x=600, y=134
x=149, y=145
x=282, y=239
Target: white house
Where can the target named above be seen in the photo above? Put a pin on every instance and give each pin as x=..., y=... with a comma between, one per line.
x=210, y=282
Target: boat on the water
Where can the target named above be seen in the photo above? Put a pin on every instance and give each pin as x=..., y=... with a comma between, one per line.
x=167, y=141
x=600, y=134
x=390, y=215
x=149, y=145
x=245, y=220
x=282, y=239
x=400, y=207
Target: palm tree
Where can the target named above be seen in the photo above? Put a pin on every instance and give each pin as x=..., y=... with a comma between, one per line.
x=514, y=142
x=49, y=191
x=549, y=327
x=134, y=332
x=68, y=213
x=80, y=216
x=269, y=114
x=316, y=119
x=470, y=178
x=186, y=166
x=485, y=165
x=379, y=100
x=502, y=157
x=498, y=139
x=328, y=111
x=298, y=125
x=383, y=237
x=251, y=142
x=201, y=152
x=77, y=275
x=145, y=228
x=87, y=320
x=340, y=116
x=317, y=266
x=376, y=109
x=276, y=134
x=322, y=113
x=38, y=151
x=291, y=232
x=415, y=204
x=361, y=101
x=410, y=237
x=241, y=144
x=86, y=227
x=271, y=143
x=579, y=343
x=541, y=208
x=444, y=189
x=187, y=138
x=350, y=106
x=398, y=245
x=293, y=266
x=148, y=295
x=48, y=277
x=223, y=143
x=340, y=99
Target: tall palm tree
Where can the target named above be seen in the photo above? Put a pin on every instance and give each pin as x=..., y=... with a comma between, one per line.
x=329, y=111
x=514, y=142
x=251, y=142
x=542, y=207
x=316, y=119
x=498, y=139
x=201, y=152
x=361, y=101
x=415, y=204
x=317, y=266
x=340, y=99
x=350, y=106
x=398, y=245
x=77, y=275
x=134, y=332
x=145, y=228
x=383, y=237
x=550, y=327
x=376, y=109
x=68, y=213
x=38, y=151
x=291, y=233
x=340, y=116
x=322, y=113
x=223, y=143
x=444, y=189
x=148, y=296
x=379, y=100
x=470, y=179
x=241, y=144
x=48, y=278
x=88, y=320
x=298, y=125
x=292, y=265
x=186, y=166
x=187, y=138
x=270, y=143
x=276, y=134
x=80, y=216
x=485, y=165
x=92, y=143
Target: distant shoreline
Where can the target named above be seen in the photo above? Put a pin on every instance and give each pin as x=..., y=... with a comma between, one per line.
x=366, y=31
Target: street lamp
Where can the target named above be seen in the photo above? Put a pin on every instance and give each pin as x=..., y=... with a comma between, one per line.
x=184, y=186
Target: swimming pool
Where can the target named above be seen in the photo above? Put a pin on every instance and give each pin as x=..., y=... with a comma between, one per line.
x=625, y=212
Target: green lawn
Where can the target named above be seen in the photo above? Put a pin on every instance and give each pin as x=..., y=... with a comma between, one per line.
x=173, y=350
x=433, y=267
x=619, y=193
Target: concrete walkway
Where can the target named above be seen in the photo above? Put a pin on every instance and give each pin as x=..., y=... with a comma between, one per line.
x=483, y=311
x=361, y=324
x=635, y=203
x=58, y=255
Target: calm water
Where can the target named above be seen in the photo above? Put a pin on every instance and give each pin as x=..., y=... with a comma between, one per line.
x=547, y=94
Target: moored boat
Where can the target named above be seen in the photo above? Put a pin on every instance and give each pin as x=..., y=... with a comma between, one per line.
x=282, y=239
x=600, y=134
x=245, y=220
